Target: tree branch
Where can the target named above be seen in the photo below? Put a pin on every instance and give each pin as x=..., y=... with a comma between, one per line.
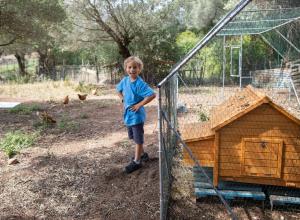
x=8, y=43
x=90, y=29
x=99, y=40
x=102, y=24
x=114, y=17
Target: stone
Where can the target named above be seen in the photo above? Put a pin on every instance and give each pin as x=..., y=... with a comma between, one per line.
x=13, y=161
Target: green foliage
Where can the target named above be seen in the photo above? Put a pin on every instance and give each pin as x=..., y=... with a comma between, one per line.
x=9, y=72
x=24, y=109
x=67, y=82
x=203, y=116
x=201, y=14
x=7, y=69
x=28, y=22
x=212, y=59
x=256, y=52
x=186, y=41
x=68, y=57
x=85, y=88
x=17, y=79
x=68, y=125
x=41, y=125
x=14, y=141
x=150, y=32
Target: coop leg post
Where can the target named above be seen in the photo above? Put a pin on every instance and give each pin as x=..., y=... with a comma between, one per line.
x=216, y=163
x=271, y=203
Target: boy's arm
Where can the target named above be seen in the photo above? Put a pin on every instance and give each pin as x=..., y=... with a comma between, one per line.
x=145, y=101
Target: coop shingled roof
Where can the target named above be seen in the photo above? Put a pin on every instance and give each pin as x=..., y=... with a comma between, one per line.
x=240, y=104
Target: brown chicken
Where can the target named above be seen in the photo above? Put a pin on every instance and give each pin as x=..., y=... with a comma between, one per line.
x=82, y=97
x=45, y=117
x=66, y=100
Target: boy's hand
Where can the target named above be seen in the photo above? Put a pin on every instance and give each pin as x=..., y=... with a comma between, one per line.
x=135, y=107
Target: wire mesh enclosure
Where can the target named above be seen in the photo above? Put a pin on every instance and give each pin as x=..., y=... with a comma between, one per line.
x=229, y=116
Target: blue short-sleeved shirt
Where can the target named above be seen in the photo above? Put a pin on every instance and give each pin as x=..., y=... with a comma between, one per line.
x=133, y=93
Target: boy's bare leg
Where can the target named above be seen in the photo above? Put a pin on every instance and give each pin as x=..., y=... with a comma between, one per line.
x=139, y=150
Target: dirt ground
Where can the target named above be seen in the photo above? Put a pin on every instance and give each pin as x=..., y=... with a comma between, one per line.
x=76, y=172
x=75, y=169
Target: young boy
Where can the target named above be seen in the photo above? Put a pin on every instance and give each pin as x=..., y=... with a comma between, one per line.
x=135, y=93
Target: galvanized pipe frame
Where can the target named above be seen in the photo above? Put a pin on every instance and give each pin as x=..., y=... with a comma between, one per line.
x=215, y=30
x=295, y=91
x=166, y=142
x=181, y=63
x=251, y=31
x=272, y=9
x=161, y=113
x=270, y=44
x=161, y=197
x=240, y=67
x=228, y=209
x=287, y=40
x=264, y=30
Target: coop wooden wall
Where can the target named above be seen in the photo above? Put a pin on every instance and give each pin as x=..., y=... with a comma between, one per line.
x=263, y=122
x=203, y=150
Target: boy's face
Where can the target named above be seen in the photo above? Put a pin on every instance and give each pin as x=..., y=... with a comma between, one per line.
x=133, y=69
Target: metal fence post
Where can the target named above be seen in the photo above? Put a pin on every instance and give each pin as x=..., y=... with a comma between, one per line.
x=161, y=202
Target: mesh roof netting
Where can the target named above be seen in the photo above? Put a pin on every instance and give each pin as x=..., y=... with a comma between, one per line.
x=277, y=22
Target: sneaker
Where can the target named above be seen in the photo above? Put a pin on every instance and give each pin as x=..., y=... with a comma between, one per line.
x=144, y=157
x=133, y=166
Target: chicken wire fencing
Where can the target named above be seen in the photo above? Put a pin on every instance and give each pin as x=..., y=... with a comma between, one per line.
x=93, y=74
x=78, y=73
x=229, y=119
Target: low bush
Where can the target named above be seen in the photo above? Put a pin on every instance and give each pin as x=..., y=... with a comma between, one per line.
x=14, y=141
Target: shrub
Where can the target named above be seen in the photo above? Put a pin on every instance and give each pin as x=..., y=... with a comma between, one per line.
x=85, y=88
x=25, y=109
x=14, y=141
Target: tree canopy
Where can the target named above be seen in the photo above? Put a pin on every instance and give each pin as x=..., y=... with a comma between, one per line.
x=108, y=31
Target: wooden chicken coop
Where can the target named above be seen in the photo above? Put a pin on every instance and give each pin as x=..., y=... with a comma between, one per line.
x=248, y=139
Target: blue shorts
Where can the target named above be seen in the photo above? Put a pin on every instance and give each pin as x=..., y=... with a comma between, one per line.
x=136, y=132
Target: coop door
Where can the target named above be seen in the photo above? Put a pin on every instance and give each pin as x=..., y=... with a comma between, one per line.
x=235, y=61
x=261, y=157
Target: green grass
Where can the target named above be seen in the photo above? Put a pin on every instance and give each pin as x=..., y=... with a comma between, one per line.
x=4, y=68
x=15, y=141
x=30, y=66
x=23, y=109
x=85, y=88
x=68, y=125
x=10, y=71
x=41, y=126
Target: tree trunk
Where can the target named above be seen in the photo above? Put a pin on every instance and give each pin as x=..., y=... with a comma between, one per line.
x=42, y=63
x=21, y=63
x=47, y=64
x=97, y=69
x=123, y=50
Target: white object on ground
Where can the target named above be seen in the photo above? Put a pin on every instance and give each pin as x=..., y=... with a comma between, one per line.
x=8, y=104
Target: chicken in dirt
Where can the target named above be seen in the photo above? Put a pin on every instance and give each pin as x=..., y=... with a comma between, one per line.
x=66, y=100
x=82, y=97
x=45, y=117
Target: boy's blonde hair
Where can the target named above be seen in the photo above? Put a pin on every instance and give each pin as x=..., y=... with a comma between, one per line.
x=135, y=59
